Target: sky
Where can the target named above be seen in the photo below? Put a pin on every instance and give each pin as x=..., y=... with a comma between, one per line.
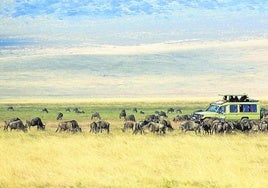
x=220, y=36
x=129, y=22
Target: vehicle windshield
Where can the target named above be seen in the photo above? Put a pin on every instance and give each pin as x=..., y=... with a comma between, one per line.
x=212, y=108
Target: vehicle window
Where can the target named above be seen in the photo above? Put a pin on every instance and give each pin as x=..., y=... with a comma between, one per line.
x=233, y=108
x=248, y=108
x=212, y=108
x=253, y=108
x=222, y=109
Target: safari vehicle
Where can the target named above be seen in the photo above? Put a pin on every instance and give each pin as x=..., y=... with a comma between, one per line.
x=232, y=107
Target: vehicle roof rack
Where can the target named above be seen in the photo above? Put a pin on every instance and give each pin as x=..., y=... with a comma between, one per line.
x=243, y=94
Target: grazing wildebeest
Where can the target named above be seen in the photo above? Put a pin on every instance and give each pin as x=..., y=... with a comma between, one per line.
x=264, y=113
x=167, y=124
x=80, y=111
x=142, y=112
x=229, y=127
x=35, y=122
x=103, y=125
x=245, y=125
x=178, y=118
x=157, y=127
x=75, y=126
x=139, y=126
x=71, y=126
x=178, y=110
x=76, y=110
x=7, y=122
x=130, y=118
x=68, y=109
x=162, y=114
x=170, y=110
x=122, y=113
x=135, y=109
x=95, y=115
x=255, y=126
x=59, y=116
x=18, y=125
x=190, y=125
x=10, y=108
x=206, y=125
x=93, y=127
x=44, y=110
x=218, y=126
x=263, y=125
x=64, y=126
x=152, y=117
x=128, y=125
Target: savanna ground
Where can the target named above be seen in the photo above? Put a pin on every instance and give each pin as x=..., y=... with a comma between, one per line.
x=49, y=159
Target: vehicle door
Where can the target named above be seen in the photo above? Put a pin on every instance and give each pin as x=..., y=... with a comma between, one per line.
x=232, y=112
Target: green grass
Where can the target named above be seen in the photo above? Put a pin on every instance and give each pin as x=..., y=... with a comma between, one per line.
x=108, y=109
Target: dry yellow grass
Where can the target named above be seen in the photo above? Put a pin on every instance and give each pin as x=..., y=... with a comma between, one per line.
x=46, y=159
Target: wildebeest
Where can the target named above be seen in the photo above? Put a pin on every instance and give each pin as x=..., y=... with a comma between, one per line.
x=75, y=126
x=80, y=111
x=135, y=109
x=17, y=124
x=128, y=125
x=68, y=109
x=122, y=113
x=190, y=125
x=64, y=126
x=178, y=118
x=7, y=122
x=103, y=125
x=76, y=110
x=178, y=110
x=244, y=125
x=162, y=114
x=71, y=126
x=167, y=124
x=95, y=115
x=59, y=116
x=152, y=117
x=139, y=127
x=35, y=122
x=142, y=112
x=264, y=113
x=130, y=118
x=10, y=108
x=207, y=124
x=263, y=125
x=170, y=110
x=255, y=126
x=93, y=127
x=218, y=126
x=156, y=127
x=44, y=110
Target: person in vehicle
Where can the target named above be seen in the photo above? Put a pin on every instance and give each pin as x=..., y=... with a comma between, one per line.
x=231, y=99
x=243, y=98
x=236, y=99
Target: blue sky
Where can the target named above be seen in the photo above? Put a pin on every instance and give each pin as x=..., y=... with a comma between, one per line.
x=58, y=22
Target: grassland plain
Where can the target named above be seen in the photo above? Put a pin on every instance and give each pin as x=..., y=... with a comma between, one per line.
x=49, y=159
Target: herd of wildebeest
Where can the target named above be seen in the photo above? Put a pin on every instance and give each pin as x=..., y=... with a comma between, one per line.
x=156, y=123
